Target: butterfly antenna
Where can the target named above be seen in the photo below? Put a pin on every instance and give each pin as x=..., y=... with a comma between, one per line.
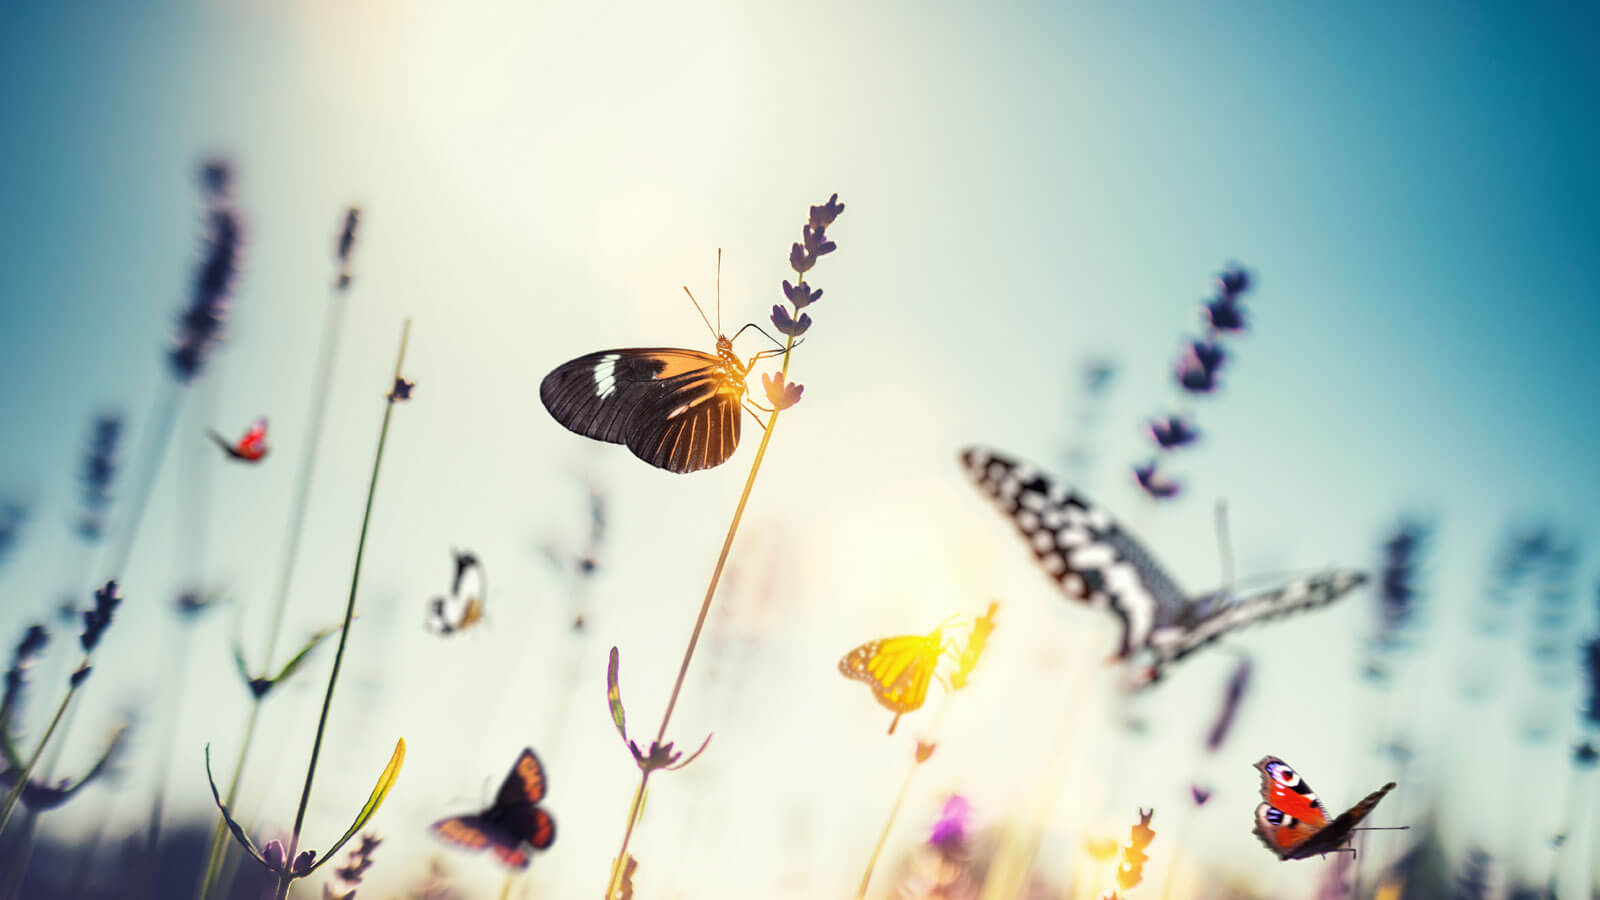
x=719, y=290
x=714, y=332
x=1224, y=547
x=1383, y=828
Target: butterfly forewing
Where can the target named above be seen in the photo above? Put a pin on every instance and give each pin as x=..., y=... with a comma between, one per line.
x=676, y=409
x=1080, y=546
x=524, y=785
x=1293, y=823
x=898, y=669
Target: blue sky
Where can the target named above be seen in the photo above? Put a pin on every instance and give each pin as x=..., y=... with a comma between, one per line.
x=1026, y=186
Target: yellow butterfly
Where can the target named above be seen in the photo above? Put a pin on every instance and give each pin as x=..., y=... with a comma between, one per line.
x=897, y=668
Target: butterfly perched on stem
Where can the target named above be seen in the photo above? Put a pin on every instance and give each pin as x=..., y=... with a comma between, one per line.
x=1094, y=561
x=1294, y=824
x=513, y=823
x=676, y=409
x=249, y=448
x=898, y=669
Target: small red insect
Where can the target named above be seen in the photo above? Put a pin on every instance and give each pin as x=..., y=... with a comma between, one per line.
x=250, y=448
x=1294, y=824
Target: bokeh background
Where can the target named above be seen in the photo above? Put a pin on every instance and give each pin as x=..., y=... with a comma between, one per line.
x=1029, y=188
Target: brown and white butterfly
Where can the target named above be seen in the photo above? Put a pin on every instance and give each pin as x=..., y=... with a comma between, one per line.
x=1294, y=824
x=676, y=409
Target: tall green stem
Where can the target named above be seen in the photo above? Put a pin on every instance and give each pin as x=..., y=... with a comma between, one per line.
x=883, y=836
x=327, y=356
x=286, y=877
x=699, y=625
x=33, y=760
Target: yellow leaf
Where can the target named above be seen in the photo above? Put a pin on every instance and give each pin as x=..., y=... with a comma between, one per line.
x=391, y=774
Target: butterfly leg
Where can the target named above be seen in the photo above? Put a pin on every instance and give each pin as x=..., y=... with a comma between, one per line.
x=756, y=415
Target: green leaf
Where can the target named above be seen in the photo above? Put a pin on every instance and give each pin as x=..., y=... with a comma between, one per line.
x=614, y=697
x=244, y=667
x=391, y=773
x=235, y=827
x=295, y=661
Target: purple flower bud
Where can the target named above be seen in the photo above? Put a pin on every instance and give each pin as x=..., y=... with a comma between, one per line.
x=95, y=621
x=302, y=863
x=1233, y=281
x=1201, y=795
x=1173, y=432
x=780, y=395
x=1209, y=354
x=1158, y=486
x=801, y=295
x=1224, y=315
x=816, y=241
x=951, y=826
x=800, y=260
x=272, y=854
x=1194, y=377
x=791, y=327
x=823, y=216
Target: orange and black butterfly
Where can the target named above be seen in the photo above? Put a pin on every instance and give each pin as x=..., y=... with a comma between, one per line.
x=678, y=410
x=1294, y=824
x=515, y=821
x=898, y=669
x=250, y=448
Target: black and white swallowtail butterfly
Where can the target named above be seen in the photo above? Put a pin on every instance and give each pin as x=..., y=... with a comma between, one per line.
x=1096, y=562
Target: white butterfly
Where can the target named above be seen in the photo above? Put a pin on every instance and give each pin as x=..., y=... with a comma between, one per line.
x=1098, y=563
x=449, y=614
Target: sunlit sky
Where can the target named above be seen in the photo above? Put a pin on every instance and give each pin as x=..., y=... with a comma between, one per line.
x=1026, y=187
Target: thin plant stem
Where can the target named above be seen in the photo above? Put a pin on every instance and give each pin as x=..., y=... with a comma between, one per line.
x=27, y=770
x=505, y=889
x=883, y=836
x=700, y=621
x=286, y=877
x=163, y=424
x=327, y=356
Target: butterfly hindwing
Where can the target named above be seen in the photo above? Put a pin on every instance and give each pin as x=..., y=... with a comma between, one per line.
x=1293, y=823
x=675, y=409
x=513, y=823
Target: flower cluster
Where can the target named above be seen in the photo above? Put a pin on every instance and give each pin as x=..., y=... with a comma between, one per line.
x=660, y=755
x=97, y=620
x=200, y=326
x=1131, y=870
x=348, y=877
x=23, y=658
x=99, y=474
x=813, y=245
x=12, y=515
x=977, y=640
x=1196, y=372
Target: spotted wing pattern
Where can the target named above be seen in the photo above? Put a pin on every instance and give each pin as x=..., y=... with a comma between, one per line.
x=1096, y=562
x=676, y=409
x=1293, y=823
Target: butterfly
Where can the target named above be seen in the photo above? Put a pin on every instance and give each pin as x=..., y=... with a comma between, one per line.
x=447, y=615
x=898, y=669
x=1096, y=562
x=250, y=448
x=513, y=821
x=1293, y=823
x=678, y=410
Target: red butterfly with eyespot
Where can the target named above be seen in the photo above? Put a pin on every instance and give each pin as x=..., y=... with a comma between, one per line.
x=250, y=448
x=514, y=822
x=1294, y=824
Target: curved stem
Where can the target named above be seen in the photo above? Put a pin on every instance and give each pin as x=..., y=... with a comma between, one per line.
x=287, y=876
x=883, y=836
x=27, y=770
x=700, y=621
x=219, y=834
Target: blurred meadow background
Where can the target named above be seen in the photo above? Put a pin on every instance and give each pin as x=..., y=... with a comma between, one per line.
x=1033, y=192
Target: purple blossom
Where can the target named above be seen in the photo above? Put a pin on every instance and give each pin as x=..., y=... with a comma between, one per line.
x=1194, y=377
x=1224, y=315
x=97, y=620
x=823, y=216
x=801, y=295
x=787, y=325
x=1158, y=486
x=1238, y=683
x=1209, y=354
x=780, y=395
x=1233, y=281
x=800, y=259
x=950, y=828
x=816, y=241
x=1173, y=432
x=1200, y=794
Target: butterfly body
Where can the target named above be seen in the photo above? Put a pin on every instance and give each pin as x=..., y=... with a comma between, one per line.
x=1095, y=562
x=898, y=669
x=252, y=447
x=1293, y=823
x=678, y=410
x=514, y=822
